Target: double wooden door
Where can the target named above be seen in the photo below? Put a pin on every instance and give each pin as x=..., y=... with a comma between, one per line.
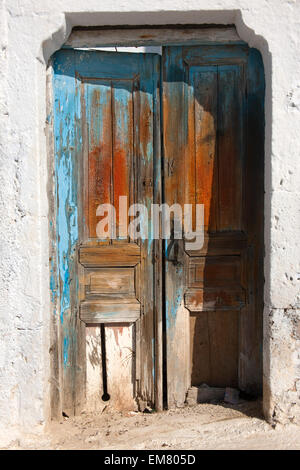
x=185, y=128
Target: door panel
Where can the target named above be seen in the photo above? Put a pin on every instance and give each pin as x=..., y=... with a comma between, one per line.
x=116, y=104
x=210, y=294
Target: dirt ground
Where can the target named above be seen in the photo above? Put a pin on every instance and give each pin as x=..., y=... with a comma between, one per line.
x=204, y=426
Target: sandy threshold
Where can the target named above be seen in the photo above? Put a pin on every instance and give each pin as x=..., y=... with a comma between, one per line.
x=200, y=427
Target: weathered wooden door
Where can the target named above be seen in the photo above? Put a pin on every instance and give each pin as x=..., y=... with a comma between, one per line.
x=177, y=316
x=106, y=114
x=213, y=126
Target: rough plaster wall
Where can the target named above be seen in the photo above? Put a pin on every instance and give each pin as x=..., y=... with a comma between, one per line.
x=30, y=32
x=282, y=389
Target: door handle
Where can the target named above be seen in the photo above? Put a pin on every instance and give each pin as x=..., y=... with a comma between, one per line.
x=172, y=252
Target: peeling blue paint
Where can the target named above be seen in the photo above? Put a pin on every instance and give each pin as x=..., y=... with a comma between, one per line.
x=65, y=350
x=172, y=306
x=53, y=287
x=66, y=138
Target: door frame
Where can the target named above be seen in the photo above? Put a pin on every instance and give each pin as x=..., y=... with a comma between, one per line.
x=85, y=37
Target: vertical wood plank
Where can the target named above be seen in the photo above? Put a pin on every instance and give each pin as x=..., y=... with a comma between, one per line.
x=251, y=320
x=158, y=274
x=145, y=171
x=66, y=133
x=55, y=347
x=80, y=350
x=176, y=137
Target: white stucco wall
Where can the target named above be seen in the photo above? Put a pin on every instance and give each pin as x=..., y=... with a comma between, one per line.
x=30, y=32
